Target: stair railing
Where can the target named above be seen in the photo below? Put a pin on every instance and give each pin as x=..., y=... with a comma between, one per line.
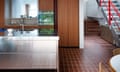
x=110, y=15
x=117, y=12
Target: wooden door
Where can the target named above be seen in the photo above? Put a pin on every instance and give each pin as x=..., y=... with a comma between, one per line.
x=68, y=23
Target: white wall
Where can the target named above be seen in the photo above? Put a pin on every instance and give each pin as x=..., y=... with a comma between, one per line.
x=81, y=23
x=85, y=9
x=92, y=9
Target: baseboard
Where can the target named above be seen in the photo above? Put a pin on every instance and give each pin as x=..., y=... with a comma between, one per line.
x=28, y=70
x=68, y=46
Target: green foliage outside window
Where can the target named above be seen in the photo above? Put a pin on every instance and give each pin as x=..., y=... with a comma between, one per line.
x=46, y=18
x=46, y=31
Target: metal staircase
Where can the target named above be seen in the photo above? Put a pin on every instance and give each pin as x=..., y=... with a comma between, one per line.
x=111, y=13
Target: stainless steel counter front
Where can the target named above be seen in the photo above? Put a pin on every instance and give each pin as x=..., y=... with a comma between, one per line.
x=29, y=52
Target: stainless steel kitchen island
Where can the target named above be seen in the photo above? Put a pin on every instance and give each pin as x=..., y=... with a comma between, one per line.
x=29, y=52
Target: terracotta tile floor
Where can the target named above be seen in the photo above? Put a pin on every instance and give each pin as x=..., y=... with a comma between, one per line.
x=87, y=59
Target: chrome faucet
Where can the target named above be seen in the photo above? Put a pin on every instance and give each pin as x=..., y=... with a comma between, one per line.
x=22, y=28
x=22, y=24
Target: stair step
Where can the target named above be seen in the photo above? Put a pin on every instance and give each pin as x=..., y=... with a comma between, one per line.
x=111, y=11
x=106, y=1
x=92, y=33
x=97, y=28
x=114, y=22
x=91, y=21
x=114, y=17
x=114, y=14
x=92, y=26
x=88, y=24
x=93, y=29
x=106, y=4
x=105, y=9
x=115, y=27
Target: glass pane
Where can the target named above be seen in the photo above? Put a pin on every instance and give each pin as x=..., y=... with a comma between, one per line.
x=46, y=18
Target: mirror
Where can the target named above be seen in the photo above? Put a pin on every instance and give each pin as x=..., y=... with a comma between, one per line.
x=29, y=12
x=32, y=12
x=21, y=11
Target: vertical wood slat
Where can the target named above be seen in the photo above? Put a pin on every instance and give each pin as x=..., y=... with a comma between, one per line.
x=68, y=23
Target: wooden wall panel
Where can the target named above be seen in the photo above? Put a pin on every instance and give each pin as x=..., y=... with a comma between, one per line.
x=1, y=13
x=1, y=16
x=46, y=5
x=73, y=16
x=68, y=23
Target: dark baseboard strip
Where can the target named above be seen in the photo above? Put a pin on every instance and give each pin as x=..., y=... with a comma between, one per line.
x=28, y=70
x=69, y=47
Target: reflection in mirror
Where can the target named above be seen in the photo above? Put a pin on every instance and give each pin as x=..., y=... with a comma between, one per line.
x=29, y=12
x=46, y=18
x=32, y=12
x=21, y=12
